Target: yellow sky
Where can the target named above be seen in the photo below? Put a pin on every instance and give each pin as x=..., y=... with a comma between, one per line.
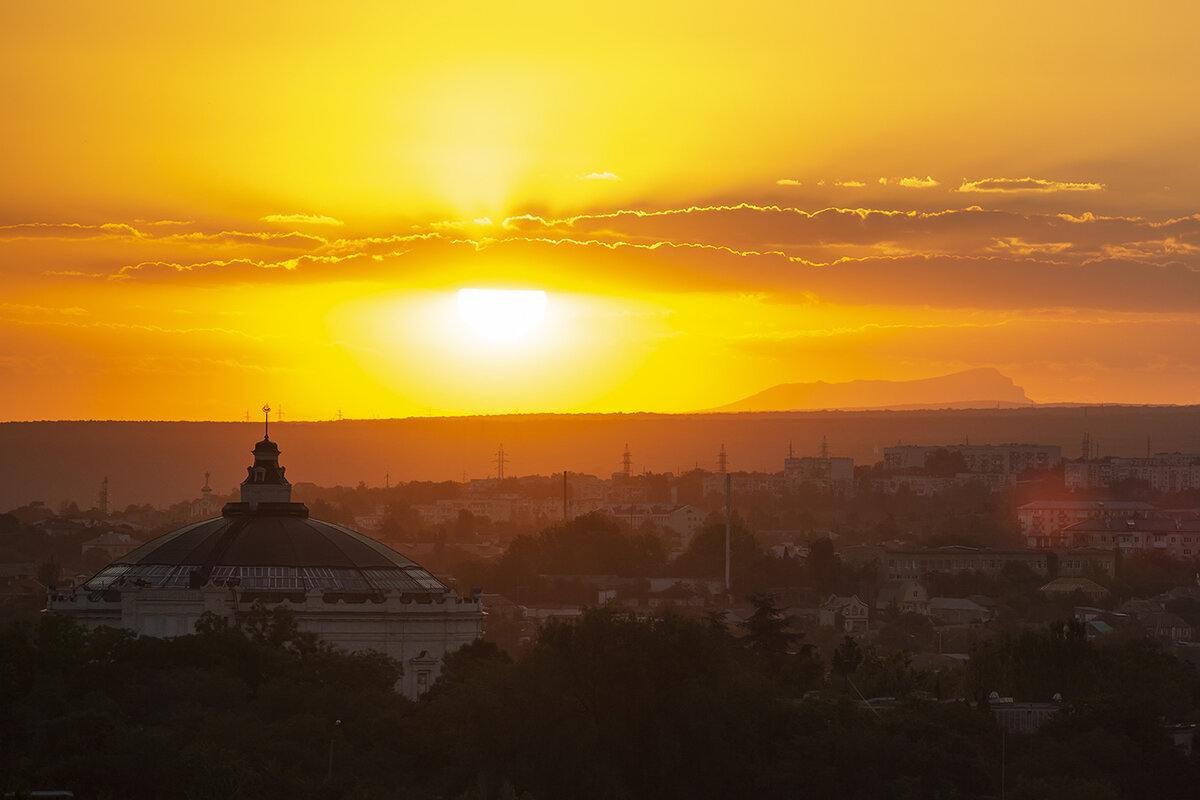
x=207, y=206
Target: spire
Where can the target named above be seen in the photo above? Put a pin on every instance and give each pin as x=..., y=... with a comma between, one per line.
x=265, y=481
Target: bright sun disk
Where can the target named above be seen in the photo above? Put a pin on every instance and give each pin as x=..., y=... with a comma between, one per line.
x=502, y=315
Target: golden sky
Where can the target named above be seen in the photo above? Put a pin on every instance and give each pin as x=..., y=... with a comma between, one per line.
x=207, y=206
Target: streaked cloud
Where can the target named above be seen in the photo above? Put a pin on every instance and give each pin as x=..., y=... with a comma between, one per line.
x=600, y=176
x=918, y=183
x=849, y=184
x=22, y=309
x=788, y=182
x=302, y=219
x=1015, y=185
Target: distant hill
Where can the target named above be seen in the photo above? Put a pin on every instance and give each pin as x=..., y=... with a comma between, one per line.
x=972, y=388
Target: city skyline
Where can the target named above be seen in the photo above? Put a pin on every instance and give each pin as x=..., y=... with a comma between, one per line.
x=398, y=212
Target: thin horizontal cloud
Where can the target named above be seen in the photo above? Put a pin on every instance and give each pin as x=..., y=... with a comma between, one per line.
x=849, y=184
x=67, y=230
x=1014, y=185
x=788, y=182
x=1013, y=245
x=302, y=219
x=918, y=183
x=600, y=176
x=827, y=235
x=18, y=308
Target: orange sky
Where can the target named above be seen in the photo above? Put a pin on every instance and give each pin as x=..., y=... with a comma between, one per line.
x=207, y=207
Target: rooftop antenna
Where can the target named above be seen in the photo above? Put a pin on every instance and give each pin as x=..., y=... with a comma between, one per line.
x=266, y=409
x=627, y=462
x=789, y=448
x=722, y=461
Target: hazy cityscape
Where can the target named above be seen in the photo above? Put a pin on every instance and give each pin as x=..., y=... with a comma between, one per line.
x=1005, y=599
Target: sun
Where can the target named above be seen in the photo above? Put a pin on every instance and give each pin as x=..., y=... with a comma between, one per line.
x=502, y=315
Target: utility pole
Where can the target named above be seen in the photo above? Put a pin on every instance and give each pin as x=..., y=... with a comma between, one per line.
x=728, y=524
x=104, y=496
x=564, y=495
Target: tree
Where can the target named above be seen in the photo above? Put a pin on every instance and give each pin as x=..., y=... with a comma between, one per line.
x=945, y=463
x=49, y=572
x=767, y=628
x=846, y=657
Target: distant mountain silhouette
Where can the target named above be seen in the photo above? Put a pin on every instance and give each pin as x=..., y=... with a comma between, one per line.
x=973, y=388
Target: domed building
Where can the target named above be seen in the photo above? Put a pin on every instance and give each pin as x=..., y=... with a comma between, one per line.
x=350, y=590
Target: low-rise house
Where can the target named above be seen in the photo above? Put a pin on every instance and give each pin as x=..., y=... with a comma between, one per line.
x=1064, y=587
x=1168, y=626
x=111, y=545
x=957, y=611
x=1016, y=717
x=906, y=597
x=848, y=613
x=682, y=520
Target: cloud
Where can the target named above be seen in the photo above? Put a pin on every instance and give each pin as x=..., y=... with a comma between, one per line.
x=1014, y=245
x=918, y=183
x=302, y=219
x=18, y=308
x=850, y=184
x=600, y=176
x=1013, y=185
x=788, y=182
x=67, y=230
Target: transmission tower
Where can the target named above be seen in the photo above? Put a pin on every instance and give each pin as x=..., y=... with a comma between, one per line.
x=500, y=463
x=1087, y=446
x=722, y=460
x=627, y=462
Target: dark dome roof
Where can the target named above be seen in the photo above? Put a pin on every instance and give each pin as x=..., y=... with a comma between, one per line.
x=275, y=547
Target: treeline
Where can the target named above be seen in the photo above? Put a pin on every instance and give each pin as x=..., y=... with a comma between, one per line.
x=554, y=565
x=610, y=706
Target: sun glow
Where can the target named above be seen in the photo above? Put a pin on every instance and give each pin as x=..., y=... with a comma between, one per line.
x=502, y=315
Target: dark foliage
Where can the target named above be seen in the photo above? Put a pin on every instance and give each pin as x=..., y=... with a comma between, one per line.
x=610, y=706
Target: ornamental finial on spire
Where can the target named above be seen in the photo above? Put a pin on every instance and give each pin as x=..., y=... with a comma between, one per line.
x=266, y=420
